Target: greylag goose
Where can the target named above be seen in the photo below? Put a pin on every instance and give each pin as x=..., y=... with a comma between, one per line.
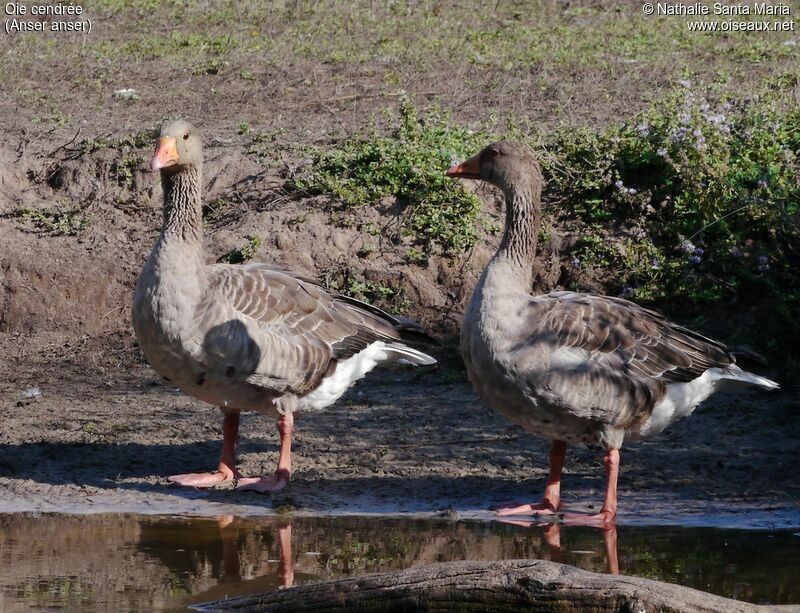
x=572, y=367
x=248, y=337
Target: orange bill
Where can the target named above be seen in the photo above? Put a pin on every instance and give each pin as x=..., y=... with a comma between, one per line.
x=166, y=153
x=470, y=169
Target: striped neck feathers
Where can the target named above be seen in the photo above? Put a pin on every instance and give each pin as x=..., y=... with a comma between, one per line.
x=523, y=218
x=183, y=211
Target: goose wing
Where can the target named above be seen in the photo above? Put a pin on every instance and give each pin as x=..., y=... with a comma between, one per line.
x=302, y=329
x=611, y=359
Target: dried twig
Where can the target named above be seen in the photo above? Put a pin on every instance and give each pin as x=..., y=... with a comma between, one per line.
x=64, y=146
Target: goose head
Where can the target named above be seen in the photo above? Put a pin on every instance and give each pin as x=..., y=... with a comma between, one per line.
x=179, y=147
x=505, y=164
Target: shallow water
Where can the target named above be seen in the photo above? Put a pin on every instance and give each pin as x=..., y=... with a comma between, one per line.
x=135, y=562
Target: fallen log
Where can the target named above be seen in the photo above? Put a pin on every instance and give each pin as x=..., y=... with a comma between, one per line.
x=510, y=585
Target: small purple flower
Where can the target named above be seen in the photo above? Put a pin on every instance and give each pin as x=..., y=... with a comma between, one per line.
x=763, y=263
x=627, y=291
x=575, y=261
x=697, y=133
x=631, y=191
x=662, y=152
x=697, y=256
x=686, y=245
x=618, y=184
x=762, y=184
x=655, y=264
x=700, y=145
x=679, y=135
x=735, y=252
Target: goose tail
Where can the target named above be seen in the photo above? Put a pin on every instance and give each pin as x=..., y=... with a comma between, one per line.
x=406, y=355
x=733, y=376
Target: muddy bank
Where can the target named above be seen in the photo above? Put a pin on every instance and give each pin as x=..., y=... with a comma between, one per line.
x=106, y=431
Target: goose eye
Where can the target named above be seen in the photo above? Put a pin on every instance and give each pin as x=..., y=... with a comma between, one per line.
x=186, y=136
x=494, y=152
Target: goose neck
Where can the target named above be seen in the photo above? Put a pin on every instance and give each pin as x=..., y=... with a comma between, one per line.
x=183, y=212
x=523, y=215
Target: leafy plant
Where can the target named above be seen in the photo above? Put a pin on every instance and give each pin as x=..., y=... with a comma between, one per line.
x=245, y=253
x=212, y=66
x=58, y=223
x=408, y=164
x=706, y=187
x=124, y=166
x=214, y=209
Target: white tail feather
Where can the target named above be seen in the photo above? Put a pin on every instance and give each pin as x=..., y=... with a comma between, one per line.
x=734, y=375
x=350, y=370
x=406, y=355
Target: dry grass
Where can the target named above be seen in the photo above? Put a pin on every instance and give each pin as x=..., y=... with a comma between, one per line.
x=316, y=70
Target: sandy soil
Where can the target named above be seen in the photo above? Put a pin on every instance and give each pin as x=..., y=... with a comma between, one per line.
x=106, y=431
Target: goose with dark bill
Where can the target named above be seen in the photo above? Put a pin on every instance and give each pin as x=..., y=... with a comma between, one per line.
x=248, y=337
x=572, y=367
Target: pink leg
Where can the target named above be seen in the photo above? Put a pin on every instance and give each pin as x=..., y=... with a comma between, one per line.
x=551, y=501
x=226, y=471
x=608, y=514
x=280, y=479
x=610, y=539
x=287, y=564
x=552, y=537
x=230, y=551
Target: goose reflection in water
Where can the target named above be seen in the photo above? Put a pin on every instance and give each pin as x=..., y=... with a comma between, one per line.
x=236, y=580
x=236, y=573
x=551, y=532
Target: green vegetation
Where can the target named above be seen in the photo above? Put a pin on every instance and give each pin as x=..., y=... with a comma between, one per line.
x=696, y=198
x=239, y=256
x=408, y=165
x=173, y=44
x=705, y=187
x=506, y=36
x=124, y=166
x=212, y=65
x=264, y=146
x=68, y=222
x=214, y=209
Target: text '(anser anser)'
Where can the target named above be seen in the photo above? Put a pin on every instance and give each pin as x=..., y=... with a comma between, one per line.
x=248, y=337
x=575, y=368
